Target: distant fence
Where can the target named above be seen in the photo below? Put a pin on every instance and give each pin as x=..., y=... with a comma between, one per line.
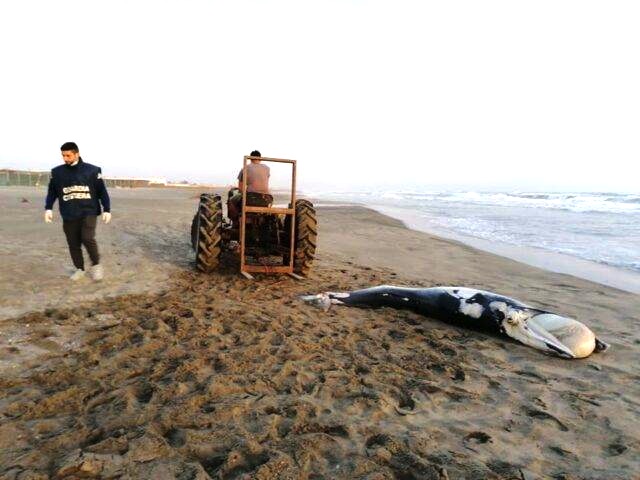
x=36, y=179
x=125, y=182
x=23, y=178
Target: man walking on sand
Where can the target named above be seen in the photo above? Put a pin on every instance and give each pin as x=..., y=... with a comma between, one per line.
x=82, y=195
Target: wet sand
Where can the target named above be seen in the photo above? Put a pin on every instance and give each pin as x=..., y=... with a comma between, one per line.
x=161, y=372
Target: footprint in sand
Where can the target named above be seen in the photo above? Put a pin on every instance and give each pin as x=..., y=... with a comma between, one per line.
x=176, y=438
x=477, y=438
x=616, y=448
x=563, y=452
x=539, y=414
x=144, y=393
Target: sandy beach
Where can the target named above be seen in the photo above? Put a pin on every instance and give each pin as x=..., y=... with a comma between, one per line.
x=160, y=372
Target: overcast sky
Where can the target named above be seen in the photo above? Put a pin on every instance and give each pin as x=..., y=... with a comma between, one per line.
x=471, y=94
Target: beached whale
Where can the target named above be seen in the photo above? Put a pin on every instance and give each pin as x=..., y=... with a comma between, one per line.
x=478, y=309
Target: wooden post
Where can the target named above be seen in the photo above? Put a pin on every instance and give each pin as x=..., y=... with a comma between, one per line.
x=292, y=239
x=244, y=214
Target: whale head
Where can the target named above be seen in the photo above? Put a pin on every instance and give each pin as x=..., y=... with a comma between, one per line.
x=574, y=335
x=554, y=334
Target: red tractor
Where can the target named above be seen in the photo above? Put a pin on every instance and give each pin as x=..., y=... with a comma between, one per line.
x=268, y=239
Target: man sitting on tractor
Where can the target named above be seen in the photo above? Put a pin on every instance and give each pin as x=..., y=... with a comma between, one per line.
x=257, y=188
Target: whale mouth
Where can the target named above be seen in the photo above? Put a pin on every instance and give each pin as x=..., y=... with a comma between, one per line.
x=534, y=334
x=549, y=341
x=574, y=335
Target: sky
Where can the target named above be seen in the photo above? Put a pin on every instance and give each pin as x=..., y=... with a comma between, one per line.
x=507, y=95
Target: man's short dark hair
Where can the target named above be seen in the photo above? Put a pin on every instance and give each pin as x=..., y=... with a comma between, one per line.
x=69, y=146
x=256, y=153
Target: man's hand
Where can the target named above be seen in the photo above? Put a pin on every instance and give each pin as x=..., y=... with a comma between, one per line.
x=106, y=217
x=48, y=216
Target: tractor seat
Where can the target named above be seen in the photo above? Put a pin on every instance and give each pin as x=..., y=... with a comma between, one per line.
x=255, y=199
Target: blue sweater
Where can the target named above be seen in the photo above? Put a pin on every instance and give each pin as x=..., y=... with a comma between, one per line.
x=80, y=189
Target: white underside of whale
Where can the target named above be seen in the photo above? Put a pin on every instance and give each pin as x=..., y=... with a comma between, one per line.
x=575, y=336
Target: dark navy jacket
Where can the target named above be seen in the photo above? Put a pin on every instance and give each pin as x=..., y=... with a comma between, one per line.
x=79, y=189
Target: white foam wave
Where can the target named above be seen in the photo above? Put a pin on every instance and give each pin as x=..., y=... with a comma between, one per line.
x=576, y=202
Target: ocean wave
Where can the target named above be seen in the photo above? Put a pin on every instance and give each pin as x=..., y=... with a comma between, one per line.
x=570, y=201
x=575, y=202
x=588, y=244
x=629, y=200
x=556, y=201
x=599, y=227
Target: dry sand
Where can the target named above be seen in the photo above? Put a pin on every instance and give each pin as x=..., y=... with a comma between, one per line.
x=161, y=372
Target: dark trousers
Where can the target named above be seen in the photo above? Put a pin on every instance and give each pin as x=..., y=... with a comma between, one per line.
x=82, y=231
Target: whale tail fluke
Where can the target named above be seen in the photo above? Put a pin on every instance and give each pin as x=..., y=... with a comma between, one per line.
x=324, y=300
x=321, y=300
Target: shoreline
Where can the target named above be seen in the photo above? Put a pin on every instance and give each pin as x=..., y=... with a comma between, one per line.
x=602, y=274
x=163, y=370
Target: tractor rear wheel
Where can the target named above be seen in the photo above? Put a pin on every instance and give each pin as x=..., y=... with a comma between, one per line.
x=306, y=234
x=206, y=232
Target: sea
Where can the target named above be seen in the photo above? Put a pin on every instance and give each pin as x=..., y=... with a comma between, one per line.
x=600, y=231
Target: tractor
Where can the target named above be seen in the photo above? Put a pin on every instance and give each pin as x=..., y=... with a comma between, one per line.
x=268, y=239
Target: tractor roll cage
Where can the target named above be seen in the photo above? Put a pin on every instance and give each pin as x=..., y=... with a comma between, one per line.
x=245, y=269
